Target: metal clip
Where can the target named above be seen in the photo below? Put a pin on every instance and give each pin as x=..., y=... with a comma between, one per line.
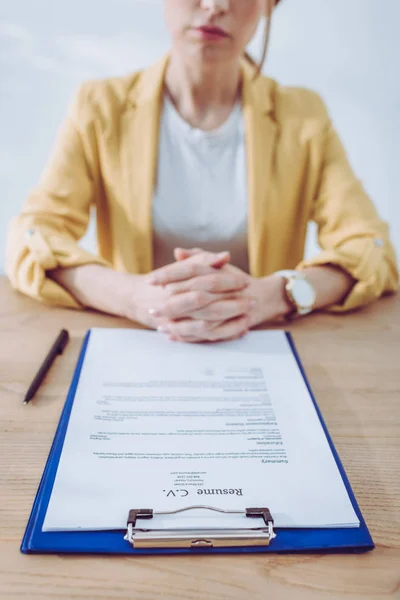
x=173, y=538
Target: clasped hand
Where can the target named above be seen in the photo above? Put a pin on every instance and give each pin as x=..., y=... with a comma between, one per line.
x=201, y=297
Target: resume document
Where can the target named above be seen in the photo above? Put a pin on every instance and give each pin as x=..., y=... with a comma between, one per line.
x=166, y=425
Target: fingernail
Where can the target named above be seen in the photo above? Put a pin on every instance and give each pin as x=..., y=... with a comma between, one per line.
x=151, y=280
x=253, y=303
x=223, y=254
x=155, y=312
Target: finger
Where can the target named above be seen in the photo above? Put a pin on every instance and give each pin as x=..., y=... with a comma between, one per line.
x=189, y=330
x=224, y=309
x=238, y=336
x=183, y=305
x=230, y=329
x=184, y=253
x=204, y=305
x=218, y=282
x=199, y=264
x=193, y=340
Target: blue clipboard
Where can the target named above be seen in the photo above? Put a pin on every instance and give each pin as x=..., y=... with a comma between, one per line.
x=111, y=542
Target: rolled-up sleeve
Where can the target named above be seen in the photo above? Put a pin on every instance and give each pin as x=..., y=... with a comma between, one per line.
x=350, y=233
x=56, y=214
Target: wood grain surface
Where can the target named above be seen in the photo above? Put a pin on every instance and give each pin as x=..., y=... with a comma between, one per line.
x=353, y=365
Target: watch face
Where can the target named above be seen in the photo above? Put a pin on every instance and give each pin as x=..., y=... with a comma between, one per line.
x=303, y=293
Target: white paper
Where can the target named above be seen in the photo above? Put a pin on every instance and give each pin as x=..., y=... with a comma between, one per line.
x=165, y=425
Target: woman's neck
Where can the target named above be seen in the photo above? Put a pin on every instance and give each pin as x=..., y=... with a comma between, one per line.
x=203, y=94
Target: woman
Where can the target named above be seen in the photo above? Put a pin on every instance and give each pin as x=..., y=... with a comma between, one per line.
x=201, y=151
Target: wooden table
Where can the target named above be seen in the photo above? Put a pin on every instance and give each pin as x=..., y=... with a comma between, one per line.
x=353, y=365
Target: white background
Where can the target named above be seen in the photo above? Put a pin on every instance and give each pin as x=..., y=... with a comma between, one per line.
x=344, y=49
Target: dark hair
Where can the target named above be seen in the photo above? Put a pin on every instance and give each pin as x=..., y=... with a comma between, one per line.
x=258, y=67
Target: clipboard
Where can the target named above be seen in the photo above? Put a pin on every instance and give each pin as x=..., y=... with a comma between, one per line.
x=246, y=540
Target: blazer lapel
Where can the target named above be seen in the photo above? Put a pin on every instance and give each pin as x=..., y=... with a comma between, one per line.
x=261, y=139
x=140, y=132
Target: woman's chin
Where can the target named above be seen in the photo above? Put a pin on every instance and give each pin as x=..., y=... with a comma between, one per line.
x=212, y=55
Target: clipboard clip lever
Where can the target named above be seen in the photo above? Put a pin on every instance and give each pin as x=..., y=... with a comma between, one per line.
x=140, y=537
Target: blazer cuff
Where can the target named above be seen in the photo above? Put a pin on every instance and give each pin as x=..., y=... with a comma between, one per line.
x=369, y=268
x=44, y=252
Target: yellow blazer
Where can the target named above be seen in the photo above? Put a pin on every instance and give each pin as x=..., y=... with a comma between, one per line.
x=106, y=157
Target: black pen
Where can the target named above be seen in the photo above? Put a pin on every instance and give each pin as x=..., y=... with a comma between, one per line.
x=56, y=349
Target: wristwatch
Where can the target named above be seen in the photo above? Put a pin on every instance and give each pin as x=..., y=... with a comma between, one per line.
x=299, y=291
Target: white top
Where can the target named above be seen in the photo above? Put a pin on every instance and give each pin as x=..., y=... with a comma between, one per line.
x=200, y=197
